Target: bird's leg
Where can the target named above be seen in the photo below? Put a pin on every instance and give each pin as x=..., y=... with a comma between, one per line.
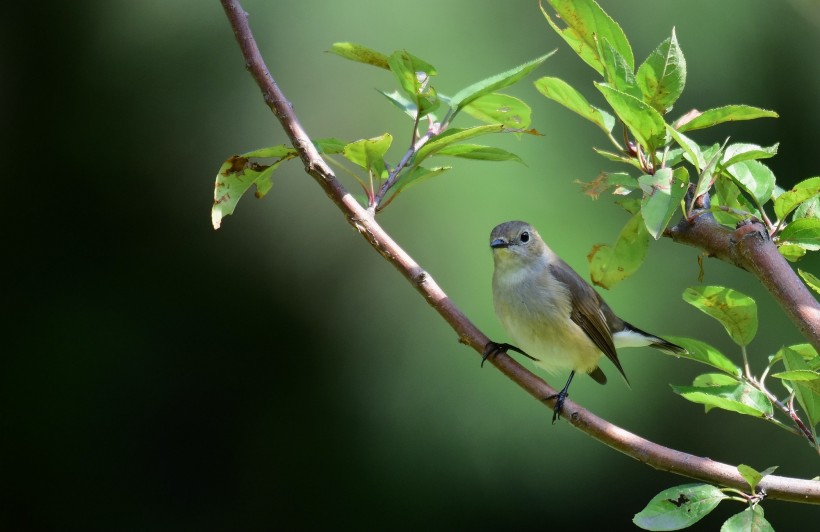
x=559, y=398
x=492, y=349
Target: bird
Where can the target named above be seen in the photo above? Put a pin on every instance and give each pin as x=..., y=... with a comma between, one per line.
x=552, y=314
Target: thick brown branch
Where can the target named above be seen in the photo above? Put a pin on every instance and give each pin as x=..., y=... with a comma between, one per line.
x=655, y=455
x=749, y=247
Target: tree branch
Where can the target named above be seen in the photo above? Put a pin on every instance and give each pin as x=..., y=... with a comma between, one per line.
x=657, y=456
x=749, y=247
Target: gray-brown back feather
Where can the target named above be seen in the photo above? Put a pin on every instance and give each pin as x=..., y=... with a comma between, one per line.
x=590, y=313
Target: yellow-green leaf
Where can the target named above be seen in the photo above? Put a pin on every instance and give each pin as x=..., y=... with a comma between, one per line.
x=643, y=121
x=362, y=54
x=663, y=75
x=804, y=232
x=240, y=172
x=811, y=280
x=727, y=113
x=561, y=92
x=497, y=108
x=610, y=265
x=789, y=200
x=737, y=312
x=585, y=22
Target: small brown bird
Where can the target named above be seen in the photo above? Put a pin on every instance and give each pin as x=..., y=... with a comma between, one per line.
x=553, y=315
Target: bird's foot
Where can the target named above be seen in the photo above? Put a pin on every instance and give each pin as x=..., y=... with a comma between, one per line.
x=492, y=349
x=559, y=404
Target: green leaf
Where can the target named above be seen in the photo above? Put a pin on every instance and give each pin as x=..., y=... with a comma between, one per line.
x=586, y=22
x=610, y=265
x=735, y=153
x=623, y=183
x=673, y=156
x=737, y=397
x=754, y=178
x=706, y=354
x=726, y=193
x=619, y=158
x=272, y=152
x=791, y=252
x=497, y=108
x=679, y=507
x=453, y=135
x=737, y=312
x=617, y=71
x=798, y=375
x=690, y=147
x=789, y=200
x=362, y=54
x=644, y=122
x=808, y=209
x=369, y=154
x=499, y=81
x=414, y=76
x=714, y=379
x=749, y=520
x=750, y=475
x=728, y=113
x=414, y=176
x=753, y=476
x=806, y=392
x=707, y=176
x=407, y=106
x=804, y=232
x=630, y=205
x=329, y=145
x=663, y=193
x=806, y=352
x=662, y=76
x=477, y=151
x=238, y=173
x=811, y=281
x=561, y=92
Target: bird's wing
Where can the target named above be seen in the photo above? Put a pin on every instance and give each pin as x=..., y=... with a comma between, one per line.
x=586, y=312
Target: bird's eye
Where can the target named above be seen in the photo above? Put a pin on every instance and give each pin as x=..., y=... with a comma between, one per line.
x=525, y=236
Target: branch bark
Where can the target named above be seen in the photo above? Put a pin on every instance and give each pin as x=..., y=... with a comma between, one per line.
x=749, y=247
x=659, y=457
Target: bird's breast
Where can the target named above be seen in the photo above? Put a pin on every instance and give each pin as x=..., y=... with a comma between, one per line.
x=535, y=313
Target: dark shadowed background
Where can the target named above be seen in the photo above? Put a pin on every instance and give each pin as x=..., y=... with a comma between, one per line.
x=159, y=375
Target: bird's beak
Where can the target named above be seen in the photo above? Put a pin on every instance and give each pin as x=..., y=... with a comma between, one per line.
x=499, y=243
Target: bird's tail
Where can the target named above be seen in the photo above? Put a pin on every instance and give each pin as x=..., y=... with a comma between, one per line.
x=654, y=341
x=667, y=347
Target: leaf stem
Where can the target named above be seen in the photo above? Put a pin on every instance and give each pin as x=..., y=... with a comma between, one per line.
x=746, y=370
x=799, y=429
x=799, y=422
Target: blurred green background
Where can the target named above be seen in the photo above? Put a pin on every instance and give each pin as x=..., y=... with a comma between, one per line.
x=159, y=375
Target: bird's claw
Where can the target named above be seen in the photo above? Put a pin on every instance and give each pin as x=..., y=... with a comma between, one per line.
x=559, y=404
x=493, y=348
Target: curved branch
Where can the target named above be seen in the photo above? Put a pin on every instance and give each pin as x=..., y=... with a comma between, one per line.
x=657, y=456
x=749, y=247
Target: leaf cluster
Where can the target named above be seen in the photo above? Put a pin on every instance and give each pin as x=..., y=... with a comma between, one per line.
x=682, y=506
x=417, y=98
x=669, y=162
x=732, y=387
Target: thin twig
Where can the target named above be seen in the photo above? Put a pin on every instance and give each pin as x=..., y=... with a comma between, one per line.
x=801, y=425
x=433, y=130
x=758, y=385
x=394, y=175
x=657, y=456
